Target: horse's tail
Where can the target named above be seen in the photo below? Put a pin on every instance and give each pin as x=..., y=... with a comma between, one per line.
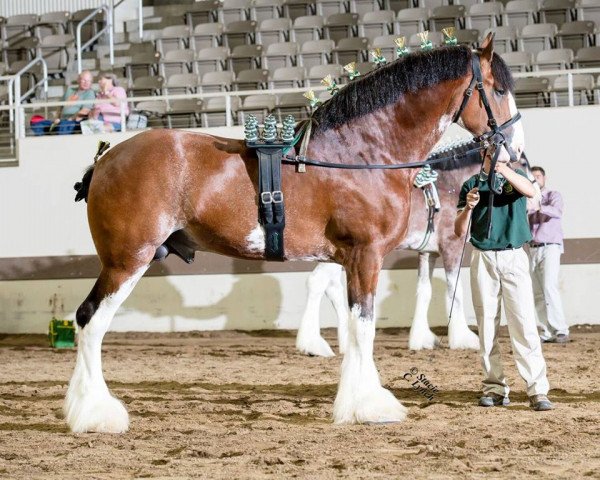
x=83, y=187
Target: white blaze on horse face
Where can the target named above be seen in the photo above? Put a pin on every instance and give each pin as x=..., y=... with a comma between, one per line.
x=255, y=241
x=518, y=135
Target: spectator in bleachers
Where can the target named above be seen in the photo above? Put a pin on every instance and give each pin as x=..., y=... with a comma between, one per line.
x=68, y=119
x=110, y=113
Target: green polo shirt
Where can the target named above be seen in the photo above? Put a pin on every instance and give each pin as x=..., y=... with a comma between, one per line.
x=84, y=97
x=510, y=227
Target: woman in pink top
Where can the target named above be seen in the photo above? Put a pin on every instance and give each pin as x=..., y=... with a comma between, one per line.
x=110, y=113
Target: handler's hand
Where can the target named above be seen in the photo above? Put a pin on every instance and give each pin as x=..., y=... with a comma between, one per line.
x=502, y=168
x=473, y=198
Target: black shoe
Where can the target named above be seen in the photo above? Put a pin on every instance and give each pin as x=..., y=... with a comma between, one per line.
x=560, y=338
x=494, y=400
x=540, y=403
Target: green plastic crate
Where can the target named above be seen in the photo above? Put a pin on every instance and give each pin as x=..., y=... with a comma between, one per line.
x=61, y=333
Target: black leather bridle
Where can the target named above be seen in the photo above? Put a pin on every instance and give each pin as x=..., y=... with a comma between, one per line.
x=495, y=138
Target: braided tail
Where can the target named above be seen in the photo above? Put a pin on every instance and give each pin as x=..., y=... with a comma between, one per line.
x=82, y=188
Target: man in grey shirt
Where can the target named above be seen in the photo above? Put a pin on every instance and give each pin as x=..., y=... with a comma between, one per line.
x=545, y=251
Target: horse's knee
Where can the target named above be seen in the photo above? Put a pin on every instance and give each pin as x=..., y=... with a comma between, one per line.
x=85, y=312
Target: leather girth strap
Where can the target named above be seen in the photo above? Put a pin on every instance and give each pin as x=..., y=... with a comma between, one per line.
x=270, y=201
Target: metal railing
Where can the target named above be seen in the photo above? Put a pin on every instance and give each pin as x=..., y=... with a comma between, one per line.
x=17, y=108
x=108, y=16
x=560, y=73
x=19, y=115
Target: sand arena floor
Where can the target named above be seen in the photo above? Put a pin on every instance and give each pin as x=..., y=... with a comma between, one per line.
x=231, y=405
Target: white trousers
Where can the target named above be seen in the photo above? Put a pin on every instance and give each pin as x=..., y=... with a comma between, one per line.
x=497, y=277
x=545, y=265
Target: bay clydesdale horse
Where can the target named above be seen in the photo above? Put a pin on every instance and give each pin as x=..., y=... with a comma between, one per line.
x=192, y=191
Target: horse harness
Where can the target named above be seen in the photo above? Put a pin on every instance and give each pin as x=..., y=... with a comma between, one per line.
x=271, y=155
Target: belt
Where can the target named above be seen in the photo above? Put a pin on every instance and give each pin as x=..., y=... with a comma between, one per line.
x=537, y=245
x=499, y=249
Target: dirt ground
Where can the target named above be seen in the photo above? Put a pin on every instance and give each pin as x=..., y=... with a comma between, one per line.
x=231, y=405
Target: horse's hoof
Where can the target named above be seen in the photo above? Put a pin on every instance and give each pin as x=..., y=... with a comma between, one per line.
x=98, y=412
x=426, y=340
x=377, y=407
x=466, y=339
x=316, y=347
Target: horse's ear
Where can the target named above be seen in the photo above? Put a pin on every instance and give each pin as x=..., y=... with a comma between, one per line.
x=487, y=47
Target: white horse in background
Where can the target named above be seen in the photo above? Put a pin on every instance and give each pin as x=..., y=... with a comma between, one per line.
x=326, y=278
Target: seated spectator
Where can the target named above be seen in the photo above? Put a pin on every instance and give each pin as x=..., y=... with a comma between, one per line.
x=68, y=119
x=110, y=113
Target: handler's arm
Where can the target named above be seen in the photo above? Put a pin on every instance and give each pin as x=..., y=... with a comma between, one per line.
x=461, y=224
x=521, y=183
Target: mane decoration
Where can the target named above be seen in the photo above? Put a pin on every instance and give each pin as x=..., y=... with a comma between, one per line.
x=408, y=74
x=465, y=152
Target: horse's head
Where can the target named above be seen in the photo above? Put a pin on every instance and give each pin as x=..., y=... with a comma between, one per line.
x=488, y=110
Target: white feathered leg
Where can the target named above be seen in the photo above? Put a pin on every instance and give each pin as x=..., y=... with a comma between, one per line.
x=459, y=334
x=89, y=406
x=335, y=293
x=360, y=397
x=421, y=336
x=309, y=340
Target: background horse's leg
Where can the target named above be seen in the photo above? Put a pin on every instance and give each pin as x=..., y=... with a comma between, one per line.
x=420, y=335
x=309, y=340
x=459, y=334
x=89, y=406
x=360, y=397
x=335, y=293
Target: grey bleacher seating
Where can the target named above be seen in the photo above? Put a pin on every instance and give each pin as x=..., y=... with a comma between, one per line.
x=252, y=79
x=263, y=9
x=183, y=113
x=341, y=25
x=175, y=37
x=583, y=90
x=273, y=30
x=518, y=13
x=375, y=24
x=555, y=59
x=181, y=83
x=257, y=105
x=484, y=15
x=213, y=112
x=505, y=38
x=234, y=10
x=557, y=11
x=577, y=34
x=202, y=11
x=412, y=20
x=211, y=59
x=242, y=32
x=518, y=61
x=154, y=110
x=534, y=38
x=387, y=44
x=221, y=81
x=355, y=49
x=365, y=67
x=52, y=23
x=146, y=86
x=245, y=56
x=307, y=28
x=299, y=8
x=467, y=37
x=24, y=48
x=589, y=10
x=330, y=7
x=288, y=77
x=316, y=52
x=90, y=28
x=282, y=54
x=207, y=35
x=447, y=16
x=142, y=64
x=587, y=57
x=318, y=72
x=176, y=61
x=58, y=51
x=292, y=104
x=532, y=92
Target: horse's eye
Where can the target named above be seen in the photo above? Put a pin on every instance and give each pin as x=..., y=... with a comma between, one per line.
x=500, y=92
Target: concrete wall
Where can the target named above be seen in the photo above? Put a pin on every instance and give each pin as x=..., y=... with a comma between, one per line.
x=39, y=219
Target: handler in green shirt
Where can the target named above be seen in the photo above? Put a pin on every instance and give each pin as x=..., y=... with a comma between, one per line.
x=500, y=272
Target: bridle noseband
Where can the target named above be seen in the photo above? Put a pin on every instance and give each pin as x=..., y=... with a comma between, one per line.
x=494, y=138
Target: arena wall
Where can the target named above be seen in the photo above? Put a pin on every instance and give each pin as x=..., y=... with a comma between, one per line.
x=46, y=250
